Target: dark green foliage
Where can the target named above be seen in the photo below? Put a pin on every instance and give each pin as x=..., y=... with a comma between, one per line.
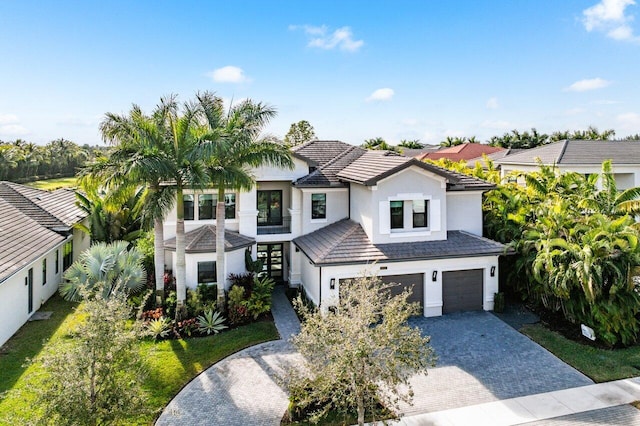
x=253, y=266
x=259, y=301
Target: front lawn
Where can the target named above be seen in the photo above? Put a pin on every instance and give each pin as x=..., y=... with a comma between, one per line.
x=52, y=184
x=601, y=365
x=171, y=363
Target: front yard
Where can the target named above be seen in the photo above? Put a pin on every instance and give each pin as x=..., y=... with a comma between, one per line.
x=171, y=363
x=601, y=365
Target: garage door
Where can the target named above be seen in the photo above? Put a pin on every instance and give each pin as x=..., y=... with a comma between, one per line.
x=414, y=281
x=462, y=290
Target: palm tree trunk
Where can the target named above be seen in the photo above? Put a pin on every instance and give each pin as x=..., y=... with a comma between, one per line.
x=220, y=270
x=181, y=267
x=158, y=258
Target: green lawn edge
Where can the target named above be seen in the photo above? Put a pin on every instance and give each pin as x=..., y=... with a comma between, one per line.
x=600, y=365
x=53, y=184
x=171, y=363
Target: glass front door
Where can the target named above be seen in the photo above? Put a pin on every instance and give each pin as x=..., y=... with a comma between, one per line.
x=271, y=256
x=270, y=208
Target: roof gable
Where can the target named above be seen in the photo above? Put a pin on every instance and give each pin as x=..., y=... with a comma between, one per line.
x=318, y=153
x=326, y=175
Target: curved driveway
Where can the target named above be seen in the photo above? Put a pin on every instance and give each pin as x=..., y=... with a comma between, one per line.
x=481, y=359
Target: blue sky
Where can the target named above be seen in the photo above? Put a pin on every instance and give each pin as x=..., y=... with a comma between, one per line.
x=354, y=69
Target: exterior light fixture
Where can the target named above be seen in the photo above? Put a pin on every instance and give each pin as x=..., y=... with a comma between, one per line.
x=493, y=271
x=332, y=284
x=434, y=276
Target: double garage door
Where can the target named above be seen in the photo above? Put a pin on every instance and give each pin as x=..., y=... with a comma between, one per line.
x=461, y=290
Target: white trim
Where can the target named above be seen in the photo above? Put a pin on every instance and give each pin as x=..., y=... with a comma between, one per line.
x=321, y=190
x=245, y=213
x=415, y=168
x=318, y=220
x=400, y=233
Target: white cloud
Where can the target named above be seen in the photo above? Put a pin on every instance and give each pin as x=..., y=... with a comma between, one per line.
x=384, y=94
x=604, y=102
x=8, y=119
x=574, y=111
x=322, y=38
x=630, y=120
x=13, y=130
x=587, y=84
x=228, y=74
x=610, y=17
x=497, y=124
x=492, y=103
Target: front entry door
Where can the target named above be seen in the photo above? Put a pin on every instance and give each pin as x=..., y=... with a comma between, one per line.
x=270, y=208
x=29, y=282
x=271, y=256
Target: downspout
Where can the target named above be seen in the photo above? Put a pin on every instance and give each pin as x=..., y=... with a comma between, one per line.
x=320, y=285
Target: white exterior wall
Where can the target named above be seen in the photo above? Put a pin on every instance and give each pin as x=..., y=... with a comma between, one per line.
x=409, y=184
x=432, y=290
x=234, y=264
x=297, y=258
x=81, y=241
x=337, y=208
x=464, y=212
x=301, y=168
x=310, y=277
x=362, y=208
x=14, y=296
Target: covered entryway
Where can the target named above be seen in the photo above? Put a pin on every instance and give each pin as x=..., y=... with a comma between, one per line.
x=462, y=290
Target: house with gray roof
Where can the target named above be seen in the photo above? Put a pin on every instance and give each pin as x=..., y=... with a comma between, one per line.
x=38, y=242
x=580, y=156
x=343, y=211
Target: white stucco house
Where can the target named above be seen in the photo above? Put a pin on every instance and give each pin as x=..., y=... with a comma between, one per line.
x=580, y=156
x=343, y=210
x=37, y=243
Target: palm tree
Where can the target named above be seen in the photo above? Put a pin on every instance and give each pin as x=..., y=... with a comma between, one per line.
x=609, y=200
x=411, y=144
x=138, y=158
x=107, y=267
x=232, y=145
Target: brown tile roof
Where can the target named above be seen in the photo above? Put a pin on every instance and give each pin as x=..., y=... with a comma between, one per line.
x=203, y=240
x=578, y=152
x=22, y=239
x=55, y=210
x=374, y=166
x=319, y=153
x=326, y=175
x=465, y=151
x=345, y=242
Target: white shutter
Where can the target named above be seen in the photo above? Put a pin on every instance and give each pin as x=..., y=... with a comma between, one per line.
x=435, y=215
x=384, y=218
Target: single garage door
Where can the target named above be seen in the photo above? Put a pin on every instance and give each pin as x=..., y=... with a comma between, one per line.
x=413, y=281
x=462, y=290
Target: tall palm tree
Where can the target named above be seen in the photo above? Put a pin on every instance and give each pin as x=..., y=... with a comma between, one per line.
x=232, y=146
x=609, y=200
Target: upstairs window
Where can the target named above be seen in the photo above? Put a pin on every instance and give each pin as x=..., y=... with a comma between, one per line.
x=230, y=206
x=420, y=213
x=318, y=206
x=397, y=214
x=188, y=206
x=206, y=207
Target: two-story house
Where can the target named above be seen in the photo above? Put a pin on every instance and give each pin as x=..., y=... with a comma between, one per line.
x=343, y=210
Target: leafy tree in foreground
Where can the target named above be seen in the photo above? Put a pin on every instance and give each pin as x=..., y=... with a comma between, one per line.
x=362, y=353
x=106, y=268
x=94, y=377
x=299, y=133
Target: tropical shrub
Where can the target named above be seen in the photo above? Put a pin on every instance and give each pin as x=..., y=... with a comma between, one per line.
x=238, y=313
x=158, y=328
x=211, y=322
x=259, y=302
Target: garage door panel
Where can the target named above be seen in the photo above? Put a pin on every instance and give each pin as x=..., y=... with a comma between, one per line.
x=462, y=290
x=413, y=281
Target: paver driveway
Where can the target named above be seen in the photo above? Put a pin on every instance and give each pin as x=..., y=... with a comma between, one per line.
x=482, y=359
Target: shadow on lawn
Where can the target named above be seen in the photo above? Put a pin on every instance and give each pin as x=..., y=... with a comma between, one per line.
x=27, y=343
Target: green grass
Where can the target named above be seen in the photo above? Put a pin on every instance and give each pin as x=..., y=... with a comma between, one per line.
x=601, y=365
x=171, y=363
x=52, y=184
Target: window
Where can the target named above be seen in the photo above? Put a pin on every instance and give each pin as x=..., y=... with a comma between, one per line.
x=420, y=213
x=57, y=261
x=44, y=271
x=67, y=255
x=318, y=206
x=230, y=206
x=206, y=207
x=206, y=272
x=188, y=206
x=397, y=214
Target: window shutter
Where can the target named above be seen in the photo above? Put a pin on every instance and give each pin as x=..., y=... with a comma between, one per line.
x=435, y=215
x=384, y=218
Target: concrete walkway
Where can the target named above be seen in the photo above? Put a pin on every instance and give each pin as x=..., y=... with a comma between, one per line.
x=564, y=406
x=242, y=389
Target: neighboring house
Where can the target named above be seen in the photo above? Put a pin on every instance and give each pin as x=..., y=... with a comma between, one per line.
x=580, y=156
x=343, y=210
x=37, y=243
x=414, y=152
x=465, y=151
